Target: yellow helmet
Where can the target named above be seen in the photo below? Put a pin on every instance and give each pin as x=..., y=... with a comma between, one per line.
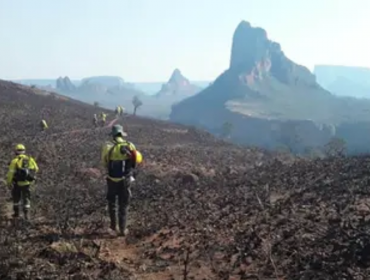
x=20, y=147
x=139, y=157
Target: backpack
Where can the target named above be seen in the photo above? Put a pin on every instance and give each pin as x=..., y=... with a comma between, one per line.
x=116, y=168
x=23, y=172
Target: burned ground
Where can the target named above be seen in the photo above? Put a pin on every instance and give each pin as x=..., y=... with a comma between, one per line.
x=201, y=208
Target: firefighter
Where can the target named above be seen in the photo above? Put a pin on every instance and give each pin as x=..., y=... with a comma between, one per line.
x=95, y=120
x=44, y=126
x=103, y=118
x=121, y=110
x=119, y=158
x=118, y=111
x=21, y=175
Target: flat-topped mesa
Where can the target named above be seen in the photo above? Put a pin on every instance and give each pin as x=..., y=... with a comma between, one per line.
x=106, y=81
x=252, y=53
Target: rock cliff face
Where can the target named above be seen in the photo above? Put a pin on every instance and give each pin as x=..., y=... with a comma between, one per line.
x=178, y=86
x=254, y=56
x=108, y=91
x=106, y=81
x=65, y=84
x=269, y=100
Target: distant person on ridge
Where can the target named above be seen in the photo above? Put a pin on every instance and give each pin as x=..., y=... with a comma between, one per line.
x=44, y=125
x=118, y=111
x=103, y=118
x=120, y=158
x=96, y=121
x=20, y=177
x=121, y=110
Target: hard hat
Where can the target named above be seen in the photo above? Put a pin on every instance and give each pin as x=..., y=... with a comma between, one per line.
x=20, y=147
x=139, y=157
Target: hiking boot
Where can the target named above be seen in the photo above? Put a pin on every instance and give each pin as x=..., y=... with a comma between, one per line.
x=111, y=232
x=15, y=214
x=123, y=232
x=113, y=226
x=26, y=215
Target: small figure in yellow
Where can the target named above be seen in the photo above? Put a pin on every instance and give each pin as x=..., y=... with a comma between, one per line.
x=121, y=110
x=44, y=125
x=103, y=118
x=21, y=175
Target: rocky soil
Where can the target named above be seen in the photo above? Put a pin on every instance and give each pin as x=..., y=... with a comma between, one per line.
x=201, y=208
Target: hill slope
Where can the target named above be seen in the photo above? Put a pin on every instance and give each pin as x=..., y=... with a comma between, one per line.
x=227, y=211
x=344, y=80
x=262, y=91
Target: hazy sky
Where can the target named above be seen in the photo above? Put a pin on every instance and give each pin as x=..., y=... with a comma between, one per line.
x=144, y=40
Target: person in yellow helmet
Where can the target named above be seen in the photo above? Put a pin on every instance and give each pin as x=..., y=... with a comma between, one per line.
x=103, y=118
x=44, y=125
x=119, y=158
x=21, y=175
x=121, y=110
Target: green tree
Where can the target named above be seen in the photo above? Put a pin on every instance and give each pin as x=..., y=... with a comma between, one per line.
x=335, y=147
x=137, y=103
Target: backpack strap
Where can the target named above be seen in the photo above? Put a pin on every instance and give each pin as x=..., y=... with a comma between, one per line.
x=19, y=158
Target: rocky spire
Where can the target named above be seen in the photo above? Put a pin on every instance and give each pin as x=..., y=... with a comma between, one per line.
x=177, y=79
x=256, y=56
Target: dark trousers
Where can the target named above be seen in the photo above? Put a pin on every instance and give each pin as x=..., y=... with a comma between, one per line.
x=21, y=193
x=120, y=190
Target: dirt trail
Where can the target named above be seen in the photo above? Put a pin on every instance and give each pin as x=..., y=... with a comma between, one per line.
x=134, y=258
x=6, y=206
x=123, y=252
x=116, y=250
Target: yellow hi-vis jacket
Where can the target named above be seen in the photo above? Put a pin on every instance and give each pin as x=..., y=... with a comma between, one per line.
x=44, y=124
x=117, y=158
x=17, y=163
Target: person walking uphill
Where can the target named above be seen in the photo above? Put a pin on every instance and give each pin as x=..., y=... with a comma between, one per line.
x=103, y=118
x=21, y=175
x=43, y=125
x=95, y=120
x=120, y=159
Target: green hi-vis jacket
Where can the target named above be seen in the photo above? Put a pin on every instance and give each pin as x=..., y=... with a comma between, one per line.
x=44, y=124
x=117, y=158
x=17, y=163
